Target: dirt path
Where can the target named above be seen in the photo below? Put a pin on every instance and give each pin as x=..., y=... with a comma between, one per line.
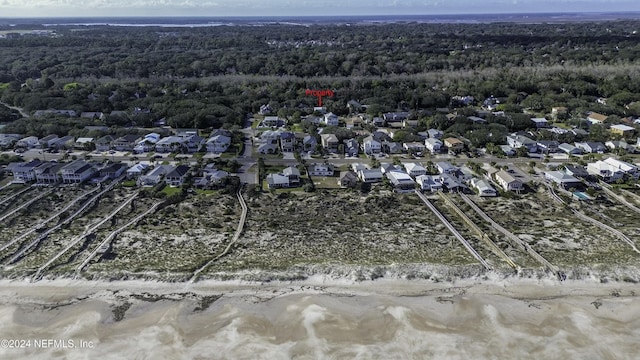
x=24, y=114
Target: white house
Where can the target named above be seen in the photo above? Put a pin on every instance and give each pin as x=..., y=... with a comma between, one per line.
x=28, y=142
x=414, y=169
x=331, y=119
x=569, y=149
x=371, y=146
x=401, y=181
x=483, y=187
x=218, y=144
x=370, y=175
x=591, y=147
x=518, y=141
x=433, y=145
x=446, y=168
x=137, y=170
x=507, y=181
x=429, y=182
x=169, y=144
x=320, y=170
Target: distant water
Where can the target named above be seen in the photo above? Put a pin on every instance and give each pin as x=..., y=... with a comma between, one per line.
x=319, y=20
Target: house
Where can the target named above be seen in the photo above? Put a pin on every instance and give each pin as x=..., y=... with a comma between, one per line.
x=370, y=175
x=569, y=149
x=414, y=147
x=191, y=142
x=77, y=171
x=540, y=123
x=377, y=121
x=48, y=141
x=309, y=143
x=65, y=142
x=595, y=118
x=370, y=146
x=218, y=144
x=28, y=142
x=177, y=176
x=507, y=181
x=518, y=141
x=25, y=172
x=628, y=169
x=548, y=146
x=320, y=170
x=387, y=167
x=267, y=149
x=348, y=179
x=435, y=133
x=409, y=123
x=395, y=116
x=451, y=183
x=104, y=143
x=276, y=181
x=137, y=170
x=623, y=130
x=49, y=173
x=429, y=182
x=453, y=144
x=433, y=145
x=126, y=142
x=147, y=144
x=619, y=145
x=393, y=148
x=591, y=147
x=287, y=141
x=9, y=140
x=604, y=171
x=272, y=121
x=382, y=135
x=401, y=181
x=329, y=142
x=83, y=143
x=293, y=174
x=483, y=187
x=92, y=115
x=155, y=176
x=169, y=144
x=414, y=169
x=576, y=171
x=579, y=132
x=446, y=168
x=113, y=171
x=265, y=109
x=331, y=119
x=476, y=119
x=562, y=179
x=351, y=147
x=508, y=150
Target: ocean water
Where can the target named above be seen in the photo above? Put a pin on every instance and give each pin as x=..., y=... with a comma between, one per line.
x=322, y=325
x=182, y=21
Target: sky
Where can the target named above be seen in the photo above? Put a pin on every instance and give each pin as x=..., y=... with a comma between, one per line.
x=102, y=8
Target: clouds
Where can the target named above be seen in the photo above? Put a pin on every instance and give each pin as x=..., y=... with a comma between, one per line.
x=29, y=8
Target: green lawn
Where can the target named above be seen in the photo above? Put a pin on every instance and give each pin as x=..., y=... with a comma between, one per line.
x=171, y=190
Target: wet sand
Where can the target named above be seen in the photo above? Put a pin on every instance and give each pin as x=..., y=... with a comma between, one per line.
x=321, y=319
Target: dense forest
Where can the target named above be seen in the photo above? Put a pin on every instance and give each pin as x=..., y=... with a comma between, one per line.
x=214, y=76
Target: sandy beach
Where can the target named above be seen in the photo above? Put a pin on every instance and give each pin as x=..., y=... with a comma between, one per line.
x=320, y=318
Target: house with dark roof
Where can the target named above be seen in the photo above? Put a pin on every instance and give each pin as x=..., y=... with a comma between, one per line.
x=49, y=173
x=77, y=171
x=104, y=143
x=177, y=176
x=25, y=172
x=126, y=142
